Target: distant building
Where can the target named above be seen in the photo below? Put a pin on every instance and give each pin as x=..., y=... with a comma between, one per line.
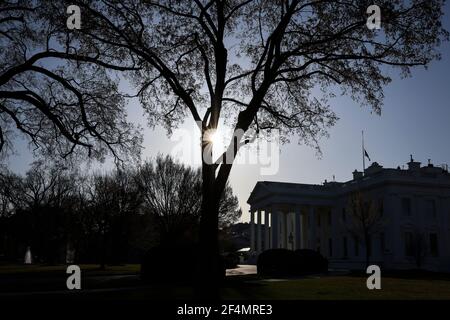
x=414, y=218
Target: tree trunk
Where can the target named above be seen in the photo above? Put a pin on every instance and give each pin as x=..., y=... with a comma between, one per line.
x=367, y=245
x=208, y=266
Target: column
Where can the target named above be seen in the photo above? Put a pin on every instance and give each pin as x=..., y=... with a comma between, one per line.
x=274, y=229
x=304, y=218
x=334, y=229
x=258, y=232
x=266, y=230
x=396, y=242
x=252, y=231
x=283, y=230
x=312, y=229
x=298, y=228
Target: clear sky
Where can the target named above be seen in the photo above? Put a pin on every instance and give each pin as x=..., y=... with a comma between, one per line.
x=415, y=120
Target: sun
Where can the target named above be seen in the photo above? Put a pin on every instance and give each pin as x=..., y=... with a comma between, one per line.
x=213, y=136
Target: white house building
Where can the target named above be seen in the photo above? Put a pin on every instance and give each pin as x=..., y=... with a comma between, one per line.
x=414, y=222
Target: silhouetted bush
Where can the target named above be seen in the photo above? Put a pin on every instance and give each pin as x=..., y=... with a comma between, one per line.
x=310, y=261
x=276, y=262
x=174, y=264
x=231, y=260
x=283, y=262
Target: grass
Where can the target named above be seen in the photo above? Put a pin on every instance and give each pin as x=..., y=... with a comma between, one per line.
x=341, y=288
x=325, y=288
x=91, y=269
x=348, y=287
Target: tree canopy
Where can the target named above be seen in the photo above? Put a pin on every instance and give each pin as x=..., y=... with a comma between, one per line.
x=61, y=96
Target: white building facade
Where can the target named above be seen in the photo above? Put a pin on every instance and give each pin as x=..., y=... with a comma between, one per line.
x=414, y=226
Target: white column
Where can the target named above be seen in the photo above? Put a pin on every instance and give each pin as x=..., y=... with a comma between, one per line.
x=334, y=229
x=258, y=231
x=274, y=229
x=283, y=242
x=304, y=218
x=252, y=231
x=266, y=230
x=298, y=228
x=312, y=228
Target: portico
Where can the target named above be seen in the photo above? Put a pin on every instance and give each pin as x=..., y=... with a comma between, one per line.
x=285, y=226
x=285, y=220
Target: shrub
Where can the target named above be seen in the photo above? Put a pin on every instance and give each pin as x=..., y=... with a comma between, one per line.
x=310, y=261
x=173, y=264
x=276, y=262
x=231, y=260
x=283, y=262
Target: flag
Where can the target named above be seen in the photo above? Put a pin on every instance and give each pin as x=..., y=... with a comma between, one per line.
x=366, y=154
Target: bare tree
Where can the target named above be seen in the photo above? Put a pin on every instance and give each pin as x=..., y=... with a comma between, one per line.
x=419, y=247
x=7, y=194
x=41, y=206
x=59, y=96
x=365, y=220
x=111, y=198
x=172, y=193
x=255, y=63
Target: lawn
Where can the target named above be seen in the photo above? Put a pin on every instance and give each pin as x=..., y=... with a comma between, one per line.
x=340, y=288
x=91, y=269
x=319, y=288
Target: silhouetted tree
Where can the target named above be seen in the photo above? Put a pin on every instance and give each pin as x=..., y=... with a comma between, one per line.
x=7, y=194
x=172, y=193
x=111, y=199
x=259, y=61
x=41, y=205
x=255, y=62
x=57, y=95
x=365, y=220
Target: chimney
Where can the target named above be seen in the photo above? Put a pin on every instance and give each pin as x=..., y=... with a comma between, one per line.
x=413, y=165
x=357, y=175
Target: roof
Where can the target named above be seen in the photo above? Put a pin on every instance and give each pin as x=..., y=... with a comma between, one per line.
x=374, y=176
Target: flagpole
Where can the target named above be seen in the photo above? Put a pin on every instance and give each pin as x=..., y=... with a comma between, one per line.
x=363, y=157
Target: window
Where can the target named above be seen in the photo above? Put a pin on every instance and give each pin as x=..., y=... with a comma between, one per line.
x=406, y=206
x=345, y=251
x=330, y=247
x=409, y=245
x=434, y=250
x=430, y=206
x=356, y=246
